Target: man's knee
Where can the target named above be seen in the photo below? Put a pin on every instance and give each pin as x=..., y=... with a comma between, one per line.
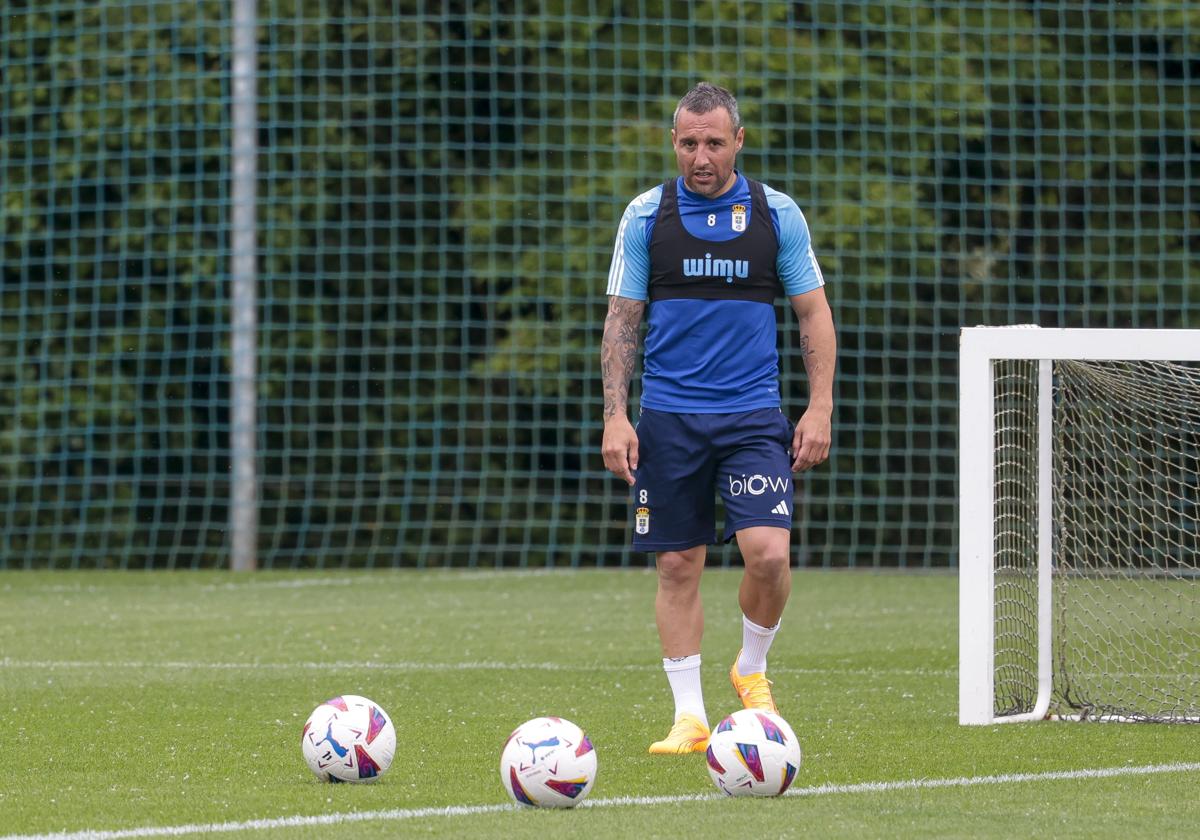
x=679, y=568
x=769, y=560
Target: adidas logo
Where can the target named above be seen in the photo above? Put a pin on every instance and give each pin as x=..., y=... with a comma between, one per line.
x=781, y=508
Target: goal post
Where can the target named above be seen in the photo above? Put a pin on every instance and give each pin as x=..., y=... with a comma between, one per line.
x=1079, y=522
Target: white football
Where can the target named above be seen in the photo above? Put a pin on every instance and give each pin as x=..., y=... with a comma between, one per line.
x=753, y=753
x=348, y=739
x=548, y=762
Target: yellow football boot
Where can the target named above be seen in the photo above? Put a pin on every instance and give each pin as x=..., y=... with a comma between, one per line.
x=688, y=735
x=754, y=689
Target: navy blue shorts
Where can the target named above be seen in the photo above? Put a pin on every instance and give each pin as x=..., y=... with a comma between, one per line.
x=684, y=458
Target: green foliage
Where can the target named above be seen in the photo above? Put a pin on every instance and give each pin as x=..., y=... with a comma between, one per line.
x=438, y=197
x=112, y=174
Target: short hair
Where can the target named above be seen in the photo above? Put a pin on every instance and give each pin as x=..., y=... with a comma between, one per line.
x=704, y=98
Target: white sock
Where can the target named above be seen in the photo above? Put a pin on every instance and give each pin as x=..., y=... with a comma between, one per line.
x=756, y=641
x=684, y=676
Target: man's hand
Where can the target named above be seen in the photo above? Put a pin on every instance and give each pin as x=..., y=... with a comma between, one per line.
x=810, y=441
x=620, y=448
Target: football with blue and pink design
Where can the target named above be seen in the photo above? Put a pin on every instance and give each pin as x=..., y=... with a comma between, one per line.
x=548, y=762
x=348, y=739
x=753, y=753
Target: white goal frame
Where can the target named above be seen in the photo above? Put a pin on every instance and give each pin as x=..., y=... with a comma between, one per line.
x=979, y=348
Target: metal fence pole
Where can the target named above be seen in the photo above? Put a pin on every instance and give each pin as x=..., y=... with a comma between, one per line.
x=243, y=512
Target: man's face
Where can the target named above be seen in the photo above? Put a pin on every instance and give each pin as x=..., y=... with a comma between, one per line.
x=706, y=148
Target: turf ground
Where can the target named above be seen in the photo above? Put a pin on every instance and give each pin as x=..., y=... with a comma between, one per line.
x=156, y=704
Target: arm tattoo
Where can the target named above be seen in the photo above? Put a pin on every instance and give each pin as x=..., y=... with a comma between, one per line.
x=812, y=361
x=618, y=351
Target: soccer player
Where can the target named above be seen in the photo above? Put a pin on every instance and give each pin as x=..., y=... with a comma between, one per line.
x=709, y=253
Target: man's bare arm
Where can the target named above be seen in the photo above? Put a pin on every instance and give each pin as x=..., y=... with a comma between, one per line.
x=818, y=345
x=618, y=352
x=618, y=357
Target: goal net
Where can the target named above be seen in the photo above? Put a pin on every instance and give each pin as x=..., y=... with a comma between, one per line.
x=1079, y=525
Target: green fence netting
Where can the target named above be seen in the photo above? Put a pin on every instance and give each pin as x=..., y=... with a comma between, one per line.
x=439, y=186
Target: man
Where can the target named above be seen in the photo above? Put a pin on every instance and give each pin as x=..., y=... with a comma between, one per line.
x=710, y=252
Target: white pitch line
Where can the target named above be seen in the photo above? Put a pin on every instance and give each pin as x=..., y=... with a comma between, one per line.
x=8, y=662
x=49, y=664
x=315, y=666
x=398, y=814
x=263, y=580
x=1001, y=779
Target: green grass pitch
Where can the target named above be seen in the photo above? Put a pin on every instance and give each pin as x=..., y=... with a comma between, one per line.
x=135, y=703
